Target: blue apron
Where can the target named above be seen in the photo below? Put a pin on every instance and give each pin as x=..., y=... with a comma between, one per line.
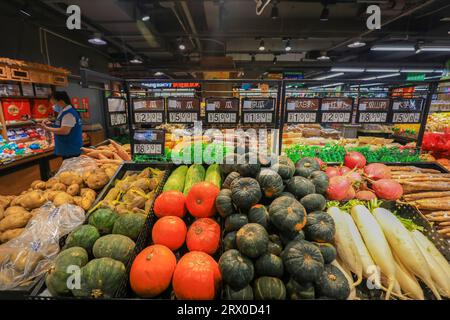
x=70, y=144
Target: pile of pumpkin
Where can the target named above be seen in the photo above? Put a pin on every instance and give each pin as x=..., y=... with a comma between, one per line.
x=277, y=242
x=184, y=239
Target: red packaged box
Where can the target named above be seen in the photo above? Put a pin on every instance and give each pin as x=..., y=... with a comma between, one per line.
x=41, y=109
x=16, y=109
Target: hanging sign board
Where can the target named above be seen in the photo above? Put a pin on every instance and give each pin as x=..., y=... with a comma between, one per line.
x=372, y=110
x=183, y=110
x=222, y=111
x=149, y=142
x=302, y=110
x=148, y=111
x=117, y=112
x=258, y=110
x=407, y=110
x=336, y=110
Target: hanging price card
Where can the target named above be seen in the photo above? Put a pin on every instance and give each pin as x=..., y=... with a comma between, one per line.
x=117, y=112
x=148, y=111
x=407, y=110
x=258, y=110
x=336, y=110
x=222, y=111
x=149, y=142
x=183, y=110
x=302, y=110
x=372, y=110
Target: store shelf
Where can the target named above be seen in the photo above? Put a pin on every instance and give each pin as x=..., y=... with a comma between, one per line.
x=21, y=123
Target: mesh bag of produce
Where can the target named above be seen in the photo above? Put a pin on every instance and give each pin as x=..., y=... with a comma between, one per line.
x=79, y=165
x=30, y=255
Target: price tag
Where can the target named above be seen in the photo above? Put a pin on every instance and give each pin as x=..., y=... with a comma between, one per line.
x=148, y=111
x=371, y=117
x=373, y=110
x=117, y=119
x=302, y=110
x=403, y=117
x=301, y=117
x=336, y=117
x=258, y=111
x=149, y=142
x=407, y=110
x=222, y=111
x=183, y=110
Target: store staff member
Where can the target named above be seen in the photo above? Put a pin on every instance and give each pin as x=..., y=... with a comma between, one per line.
x=66, y=128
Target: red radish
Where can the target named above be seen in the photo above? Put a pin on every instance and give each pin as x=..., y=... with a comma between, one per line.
x=377, y=171
x=338, y=188
x=354, y=177
x=332, y=172
x=351, y=193
x=354, y=159
x=344, y=170
x=365, y=195
x=387, y=189
x=322, y=164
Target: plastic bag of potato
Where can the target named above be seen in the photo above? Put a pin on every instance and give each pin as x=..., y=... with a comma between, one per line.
x=31, y=253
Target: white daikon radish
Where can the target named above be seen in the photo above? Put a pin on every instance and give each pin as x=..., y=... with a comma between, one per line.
x=366, y=259
x=408, y=282
x=438, y=274
x=345, y=246
x=432, y=250
x=348, y=276
x=405, y=247
x=376, y=243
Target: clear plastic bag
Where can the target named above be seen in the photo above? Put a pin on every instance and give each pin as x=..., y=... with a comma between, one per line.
x=79, y=165
x=30, y=255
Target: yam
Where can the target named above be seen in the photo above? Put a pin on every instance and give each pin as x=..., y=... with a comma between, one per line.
x=70, y=177
x=10, y=234
x=73, y=189
x=62, y=198
x=59, y=187
x=14, y=221
x=31, y=200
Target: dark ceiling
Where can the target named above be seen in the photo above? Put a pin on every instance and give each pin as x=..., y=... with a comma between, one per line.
x=225, y=34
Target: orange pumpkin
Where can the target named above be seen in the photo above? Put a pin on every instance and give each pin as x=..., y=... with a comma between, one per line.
x=203, y=235
x=152, y=271
x=169, y=231
x=201, y=200
x=196, y=277
x=170, y=203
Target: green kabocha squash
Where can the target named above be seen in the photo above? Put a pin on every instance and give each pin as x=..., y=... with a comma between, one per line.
x=287, y=215
x=332, y=283
x=287, y=237
x=314, y=202
x=286, y=194
x=229, y=163
x=129, y=225
x=320, y=181
x=242, y=294
x=229, y=241
x=306, y=166
x=269, y=265
x=245, y=193
x=327, y=250
x=259, y=214
x=61, y=270
x=248, y=165
x=274, y=248
x=100, y=278
x=300, y=291
x=229, y=179
x=303, y=261
x=237, y=270
x=300, y=187
x=235, y=222
x=115, y=246
x=285, y=167
x=270, y=182
x=103, y=219
x=275, y=239
x=320, y=227
x=264, y=160
x=83, y=236
x=252, y=240
x=269, y=288
x=224, y=203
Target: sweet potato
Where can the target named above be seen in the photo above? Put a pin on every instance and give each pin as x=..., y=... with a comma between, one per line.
x=10, y=234
x=31, y=200
x=14, y=221
x=59, y=187
x=73, y=189
x=62, y=198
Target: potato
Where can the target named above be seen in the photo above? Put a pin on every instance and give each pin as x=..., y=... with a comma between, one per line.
x=34, y=212
x=62, y=198
x=77, y=200
x=49, y=184
x=86, y=203
x=10, y=234
x=59, y=187
x=70, y=177
x=15, y=220
x=97, y=179
x=14, y=210
x=50, y=194
x=33, y=199
x=38, y=185
x=5, y=201
x=25, y=259
x=88, y=193
x=110, y=171
x=73, y=189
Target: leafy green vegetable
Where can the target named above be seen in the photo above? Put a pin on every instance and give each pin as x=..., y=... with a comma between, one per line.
x=409, y=224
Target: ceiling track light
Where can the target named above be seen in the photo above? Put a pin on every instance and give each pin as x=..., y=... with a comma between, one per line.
x=136, y=60
x=325, y=14
x=261, y=47
x=181, y=45
x=323, y=57
x=356, y=44
x=274, y=14
x=97, y=40
x=145, y=18
x=288, y=47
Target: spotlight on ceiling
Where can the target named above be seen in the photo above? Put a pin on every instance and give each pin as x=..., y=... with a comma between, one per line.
x=145, y=17
x=181, y=45
x=261, y=46
x=324, y=16
x=288, y=46
x=356, y=44
x=274, y=14
x=159, y=74
x=323, y=57
x=136, y=60
x=97, y=40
